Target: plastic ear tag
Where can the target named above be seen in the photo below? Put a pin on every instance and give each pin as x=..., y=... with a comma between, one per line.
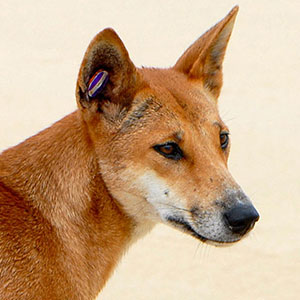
x=97, y=83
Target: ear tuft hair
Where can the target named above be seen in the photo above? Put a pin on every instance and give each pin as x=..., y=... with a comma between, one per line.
x=108, y=57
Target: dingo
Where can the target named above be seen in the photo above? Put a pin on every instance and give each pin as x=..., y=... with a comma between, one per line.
x=144, y=146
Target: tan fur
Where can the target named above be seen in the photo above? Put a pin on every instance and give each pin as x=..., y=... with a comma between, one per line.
x=76, y=195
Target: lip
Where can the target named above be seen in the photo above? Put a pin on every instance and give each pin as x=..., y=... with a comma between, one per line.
x=182, y=225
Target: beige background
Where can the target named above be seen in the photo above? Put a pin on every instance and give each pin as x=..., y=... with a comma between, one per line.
x=41, y=47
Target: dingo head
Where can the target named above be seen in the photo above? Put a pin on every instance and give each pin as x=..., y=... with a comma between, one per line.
x=160, y=142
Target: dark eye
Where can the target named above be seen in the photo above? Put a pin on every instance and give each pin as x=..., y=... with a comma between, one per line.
x=169, y=150
x=224, y=140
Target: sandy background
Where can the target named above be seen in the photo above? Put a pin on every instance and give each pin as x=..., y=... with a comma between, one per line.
x=41, y=47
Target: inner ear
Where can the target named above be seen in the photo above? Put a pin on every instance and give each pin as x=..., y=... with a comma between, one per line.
x=107, y=68
x=203, y=59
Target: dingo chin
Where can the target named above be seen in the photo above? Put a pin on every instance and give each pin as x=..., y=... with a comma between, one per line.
x=145, y=146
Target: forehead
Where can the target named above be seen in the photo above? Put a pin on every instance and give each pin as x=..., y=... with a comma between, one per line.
x=170, y=94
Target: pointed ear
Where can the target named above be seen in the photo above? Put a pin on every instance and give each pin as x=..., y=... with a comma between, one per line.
x=203, y=59
x=107, y=56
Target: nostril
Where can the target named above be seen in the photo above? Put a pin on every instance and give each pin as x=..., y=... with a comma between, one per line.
x=241, y=218
x=241, y=226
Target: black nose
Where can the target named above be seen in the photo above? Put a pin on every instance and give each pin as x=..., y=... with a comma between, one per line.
x=241, y=218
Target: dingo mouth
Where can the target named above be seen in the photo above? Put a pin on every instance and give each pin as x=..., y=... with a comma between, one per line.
x=180, y=223
x=184, y=226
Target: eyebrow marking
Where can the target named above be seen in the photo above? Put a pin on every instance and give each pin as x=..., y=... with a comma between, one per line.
x=221, y=127
x=140, y=111
x=216, y=123
x=178, y=135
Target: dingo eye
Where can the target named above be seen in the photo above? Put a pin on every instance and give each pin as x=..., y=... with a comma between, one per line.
x=224, y=139
x=169, y=150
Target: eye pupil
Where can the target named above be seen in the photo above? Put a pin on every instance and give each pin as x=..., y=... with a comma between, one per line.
x=168, y=149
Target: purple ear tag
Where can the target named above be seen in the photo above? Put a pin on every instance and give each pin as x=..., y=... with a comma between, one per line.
x=97, y=83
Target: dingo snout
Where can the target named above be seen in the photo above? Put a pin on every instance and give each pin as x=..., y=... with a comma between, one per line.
x=227, y=222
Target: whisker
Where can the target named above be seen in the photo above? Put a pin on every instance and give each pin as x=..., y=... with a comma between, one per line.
x=196, y=250
x=202, y=252
x=230, y=119
x=179, y=208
